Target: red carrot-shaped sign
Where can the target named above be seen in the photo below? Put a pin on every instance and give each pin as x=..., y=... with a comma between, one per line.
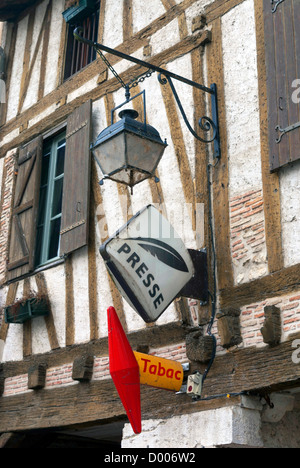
x=124, y=370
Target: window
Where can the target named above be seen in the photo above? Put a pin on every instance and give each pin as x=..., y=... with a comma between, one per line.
x=50, y=211
x=79, y=55
x=50, y=200
x=282, y=47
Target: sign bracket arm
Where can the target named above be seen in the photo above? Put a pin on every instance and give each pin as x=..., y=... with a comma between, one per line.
x=206, y=124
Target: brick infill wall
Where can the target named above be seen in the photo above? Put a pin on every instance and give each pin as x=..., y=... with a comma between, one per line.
x=252, y=318
x=247, y=235
x=62, y=375
x=6, y=186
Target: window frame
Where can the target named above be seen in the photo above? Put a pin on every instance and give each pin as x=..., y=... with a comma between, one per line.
x=74, y=229
x=50, y=144
x=82, y=50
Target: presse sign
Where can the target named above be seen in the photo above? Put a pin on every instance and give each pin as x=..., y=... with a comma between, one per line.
x=148, y=262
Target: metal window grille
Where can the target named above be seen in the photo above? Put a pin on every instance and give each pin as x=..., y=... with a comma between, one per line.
x=79, y=55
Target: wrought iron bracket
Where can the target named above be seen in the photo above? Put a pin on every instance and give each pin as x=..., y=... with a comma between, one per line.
x=283, y=131
x=276, y=4
x=208, y=125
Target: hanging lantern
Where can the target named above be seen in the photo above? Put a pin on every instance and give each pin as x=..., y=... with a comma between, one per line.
x=128, y=151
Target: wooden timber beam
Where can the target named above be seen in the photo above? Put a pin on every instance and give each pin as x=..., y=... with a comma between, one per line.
x=95, y=402
x=164, y=335
x=10, y=9
x=253, y=370
x=276, y=284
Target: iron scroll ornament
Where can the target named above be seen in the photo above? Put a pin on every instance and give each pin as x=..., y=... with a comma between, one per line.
x=277, y=3
x=206, y=124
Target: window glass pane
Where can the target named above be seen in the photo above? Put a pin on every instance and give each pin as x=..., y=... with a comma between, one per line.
x=57, y=197
x=38, y=252
x=42, y=205
x=60, y=162
x=45, y=168
x=54, y=238
x=50, y=202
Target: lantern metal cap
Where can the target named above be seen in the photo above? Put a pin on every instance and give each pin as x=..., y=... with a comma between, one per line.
x=128, y=123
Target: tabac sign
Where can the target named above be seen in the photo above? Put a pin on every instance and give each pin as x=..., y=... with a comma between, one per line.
x=148, y=262
x=159, y=372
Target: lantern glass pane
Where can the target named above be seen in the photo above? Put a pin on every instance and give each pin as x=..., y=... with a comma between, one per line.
x=142, y=153
x=129, y=176
x=111, y=154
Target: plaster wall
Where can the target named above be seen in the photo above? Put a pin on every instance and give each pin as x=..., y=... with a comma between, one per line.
x=113, y=25
x=208, y=429
x=53, y=58
x=290, y=209
x=2, y=82
x=243, y=133
x=251, y=424
x=32, y=90
x=55, y=281
x=17, y=68
x=145, y=13
x=195, y=10
x=4, y=35
x=241, y=97
x=1, y=169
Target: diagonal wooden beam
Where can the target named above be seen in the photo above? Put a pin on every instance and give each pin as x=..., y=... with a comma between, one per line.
x=27, y=75
x=11, y=295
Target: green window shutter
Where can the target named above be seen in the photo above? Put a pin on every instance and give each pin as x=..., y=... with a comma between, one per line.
x=24, y=212
x=76, y=191
x=80, y=10
x=282, y=45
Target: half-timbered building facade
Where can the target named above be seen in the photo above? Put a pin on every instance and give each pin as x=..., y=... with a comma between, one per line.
x=242, y=209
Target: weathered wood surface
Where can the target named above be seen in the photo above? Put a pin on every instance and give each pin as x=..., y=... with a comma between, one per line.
x=83, y=368
x=282, y=34
x=25, y=210
x=158, y=336
x=89, y=403
x=271, y=331
x=37, y=376
x=271, y=189
x=198, y=347
x=230, y=331
x=253, y=370
x=279, y=283
x=76, y=190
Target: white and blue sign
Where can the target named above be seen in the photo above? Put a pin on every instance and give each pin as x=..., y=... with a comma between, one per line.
x=148, y=262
